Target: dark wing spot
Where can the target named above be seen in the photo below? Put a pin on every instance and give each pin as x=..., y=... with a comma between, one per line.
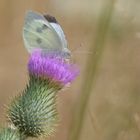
x=50, y=18
x=39, y=41
x=44, y=27
x=39, y=30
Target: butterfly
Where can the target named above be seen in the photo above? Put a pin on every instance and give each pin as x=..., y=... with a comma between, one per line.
x=43, y=32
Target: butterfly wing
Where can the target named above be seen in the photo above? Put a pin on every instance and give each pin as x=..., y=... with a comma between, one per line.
x=39, y=34
x=61, y=34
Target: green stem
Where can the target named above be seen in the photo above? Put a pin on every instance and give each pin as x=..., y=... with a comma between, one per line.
x=91, y=69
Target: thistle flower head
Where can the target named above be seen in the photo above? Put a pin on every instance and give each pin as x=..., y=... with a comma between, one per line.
x=50, y=67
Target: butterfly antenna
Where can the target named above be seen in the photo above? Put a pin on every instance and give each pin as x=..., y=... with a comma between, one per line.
x=79, y=50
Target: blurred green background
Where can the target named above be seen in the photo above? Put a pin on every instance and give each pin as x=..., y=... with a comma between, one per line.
x=113, y=109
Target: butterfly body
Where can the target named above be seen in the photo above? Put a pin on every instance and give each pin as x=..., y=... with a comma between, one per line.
x=43, y=32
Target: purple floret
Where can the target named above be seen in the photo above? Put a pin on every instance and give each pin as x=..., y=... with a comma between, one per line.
x=51, y=67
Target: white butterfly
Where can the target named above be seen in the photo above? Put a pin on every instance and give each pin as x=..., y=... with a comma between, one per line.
x=43, y=32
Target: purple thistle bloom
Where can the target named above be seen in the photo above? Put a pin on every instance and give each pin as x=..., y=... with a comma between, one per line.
x=51, y=67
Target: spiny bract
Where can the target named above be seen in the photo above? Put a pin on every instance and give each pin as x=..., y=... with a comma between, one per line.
x=34, y=113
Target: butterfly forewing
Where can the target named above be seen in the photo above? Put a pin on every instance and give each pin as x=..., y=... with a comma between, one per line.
x=38, y=33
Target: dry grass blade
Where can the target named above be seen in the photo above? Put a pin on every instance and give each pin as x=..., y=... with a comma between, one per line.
x=92, y=65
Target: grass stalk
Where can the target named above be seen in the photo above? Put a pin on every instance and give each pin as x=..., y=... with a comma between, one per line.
x=91, y=70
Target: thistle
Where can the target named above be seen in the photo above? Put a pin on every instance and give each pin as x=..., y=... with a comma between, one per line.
x=34, y=112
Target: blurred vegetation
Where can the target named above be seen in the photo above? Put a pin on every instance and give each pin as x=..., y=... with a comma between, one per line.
x=113, y=108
